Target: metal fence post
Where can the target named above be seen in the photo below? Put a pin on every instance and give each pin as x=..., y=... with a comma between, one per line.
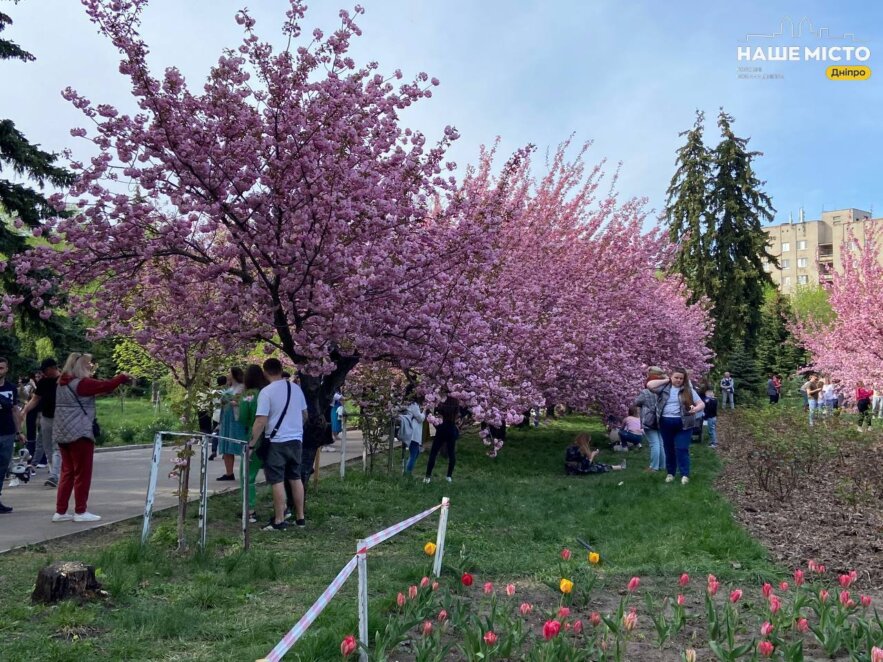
x=362, y=565
x=440, y=538
x=151, y=487
x=343, y=451
x=245, y=485
x=203, y=491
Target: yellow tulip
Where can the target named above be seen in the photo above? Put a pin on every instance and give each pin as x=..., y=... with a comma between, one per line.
x=594, y=558
x=566, y=586
x=429, y=548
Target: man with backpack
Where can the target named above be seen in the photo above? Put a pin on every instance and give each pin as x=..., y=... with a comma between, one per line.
x=728, y=389
x=281, y=409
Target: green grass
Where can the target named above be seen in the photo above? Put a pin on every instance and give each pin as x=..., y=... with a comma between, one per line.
x=131, y=421
x=509, y=518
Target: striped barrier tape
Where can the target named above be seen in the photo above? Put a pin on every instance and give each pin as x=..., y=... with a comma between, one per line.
x=313, y=612
x=386, y=534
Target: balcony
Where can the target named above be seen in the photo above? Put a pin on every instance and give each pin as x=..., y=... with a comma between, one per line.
x=826, y=253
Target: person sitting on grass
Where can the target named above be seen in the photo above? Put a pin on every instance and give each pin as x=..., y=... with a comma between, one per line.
x=631, y=433
x=579, y=458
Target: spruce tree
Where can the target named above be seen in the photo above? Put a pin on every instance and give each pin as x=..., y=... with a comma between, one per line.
x=22, y=202
x=740, y=207
x=777, y=349
x=690, y=228
x=743, y=367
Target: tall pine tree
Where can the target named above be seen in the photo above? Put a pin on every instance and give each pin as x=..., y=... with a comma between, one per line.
x=23, y=207
x=740, y=207
x=689, y=226
x=777, y=350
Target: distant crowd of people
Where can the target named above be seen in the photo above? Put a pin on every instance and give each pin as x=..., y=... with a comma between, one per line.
x=824, y=397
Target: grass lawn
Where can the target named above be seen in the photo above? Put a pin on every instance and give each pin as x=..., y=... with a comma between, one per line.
x=510, y=517
x=131, y=421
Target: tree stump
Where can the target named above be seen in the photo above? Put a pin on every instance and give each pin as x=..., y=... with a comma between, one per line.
x=67, y=579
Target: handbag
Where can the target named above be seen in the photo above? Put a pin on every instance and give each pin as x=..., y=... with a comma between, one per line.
x=96, y=428
x=263, y=448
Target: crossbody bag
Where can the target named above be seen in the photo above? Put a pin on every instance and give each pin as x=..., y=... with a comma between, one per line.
x=263, y=448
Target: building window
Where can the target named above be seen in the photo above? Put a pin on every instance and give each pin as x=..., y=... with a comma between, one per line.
x=787, y=281
x=786, y=246
x=802, y=280
x=802, y=262
x=801, y=245
x=786, y=264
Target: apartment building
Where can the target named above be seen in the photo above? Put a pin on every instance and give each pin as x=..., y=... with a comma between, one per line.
x=808, y=251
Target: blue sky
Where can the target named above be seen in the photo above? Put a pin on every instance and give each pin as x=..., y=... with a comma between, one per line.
x=626, y=75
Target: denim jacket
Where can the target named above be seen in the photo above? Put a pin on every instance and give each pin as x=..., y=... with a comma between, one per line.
x=646, y=400
x=687, y=420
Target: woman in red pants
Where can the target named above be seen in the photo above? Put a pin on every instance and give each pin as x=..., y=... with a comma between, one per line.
x=74, y=433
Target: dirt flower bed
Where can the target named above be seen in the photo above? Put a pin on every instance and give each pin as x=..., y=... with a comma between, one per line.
x=807, y=493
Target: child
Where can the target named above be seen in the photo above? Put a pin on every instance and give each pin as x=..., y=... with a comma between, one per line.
x=579, y=458
x=711, y=417
x=631, y=432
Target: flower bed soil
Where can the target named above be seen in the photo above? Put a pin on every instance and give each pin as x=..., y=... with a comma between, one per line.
x=815, y=522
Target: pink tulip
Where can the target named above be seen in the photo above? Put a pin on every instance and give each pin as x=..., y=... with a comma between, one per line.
x=488, y=588
x=853, y=575
x=823, y=595
x=442, y=616
x=811, y=564
x=821, y=569
x=427, y=628
x=595, y=618
x=767, y=590
x=802, y=624
x=564, y=612
x=844, y=598
x=490, y=638
x=783, y=586
x=577, y=626
x=525, y=608
x=630, y=620
x=434, y=586
x=845, y=581
x=681, y=600
x=348, y=646
x=551, y=629
x=766, y=629
x=565, y=554
x=866, y=601
x=684, y=579
x=735, y=595
x=412, y=592
x=766, y=648
x=510, y=590
x=634, y=583
x=798, y=577
x=424, y=582
x=876, y=654
x=713, y=587
x=775, y=604
x=400, y=599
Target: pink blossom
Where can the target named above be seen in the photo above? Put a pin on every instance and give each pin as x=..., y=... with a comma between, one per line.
x=551, y=629
x=412, y=592
x=866, y=601
x=802, y=624
x=684, y=579
x=563, y=612
x=490, y=638
x=577, y=626
x=634, y=583
x=434, y=586
x=766, y=629
x=510, y=590
x=525, y=608
x=823, y=595
x=775, y=604
x=630, y=620
x=767, y=590
x=424, y=582
x=783, y=586
x=876, y=654
x=844, y=598
x=845, y=580
x=595, y=618
x=565, y=554
x=681, y=600
x=488, y=587
x=765, y=648
x=442, y=616
x=735, y=595
x=798, y=577
x=427, y=628
x=400, y=599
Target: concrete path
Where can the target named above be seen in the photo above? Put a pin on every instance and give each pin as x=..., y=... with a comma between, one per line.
x=119, y=487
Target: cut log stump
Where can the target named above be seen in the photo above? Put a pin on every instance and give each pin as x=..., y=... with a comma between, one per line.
x=64, y=580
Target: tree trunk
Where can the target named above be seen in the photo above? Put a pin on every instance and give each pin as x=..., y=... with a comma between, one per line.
x=66, y=579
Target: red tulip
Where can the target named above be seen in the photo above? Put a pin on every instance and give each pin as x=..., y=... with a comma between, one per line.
x=442, y=616
x=681, y=600
x=684, y=579
x=766, y=648
x=766, y=629
x=490, y=638
x=866, y=601
x=400, y=599
x=634, y=583
x=595, y=618
x=551, y=629
x=427, y=628
x=412, y=592
x=466, y=579
x=510, y=590
x=564, y=612
x=488, y=588
x=348, y=646
x=798, y=577
x=802, y=624
x=845, y=581
x=565, y=554
x=735, y=595
x=525, y=608
x=577, y=626
x=844, y=598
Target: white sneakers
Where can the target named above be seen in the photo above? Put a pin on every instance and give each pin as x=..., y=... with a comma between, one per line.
x=684, y=480
x=669, y=478
x=449, y=479
x=82, y=517
x=426, y=480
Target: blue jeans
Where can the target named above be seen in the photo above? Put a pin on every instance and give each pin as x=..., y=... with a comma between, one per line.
x=7, y=443
x=712, y=430
x=676, y=442
x=414, y=450
x=629, y=437
x=657, y=453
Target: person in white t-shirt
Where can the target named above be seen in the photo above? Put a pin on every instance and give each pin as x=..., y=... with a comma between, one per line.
x=285, y=435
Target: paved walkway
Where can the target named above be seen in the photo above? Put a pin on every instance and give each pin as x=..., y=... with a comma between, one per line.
x=119, y=487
